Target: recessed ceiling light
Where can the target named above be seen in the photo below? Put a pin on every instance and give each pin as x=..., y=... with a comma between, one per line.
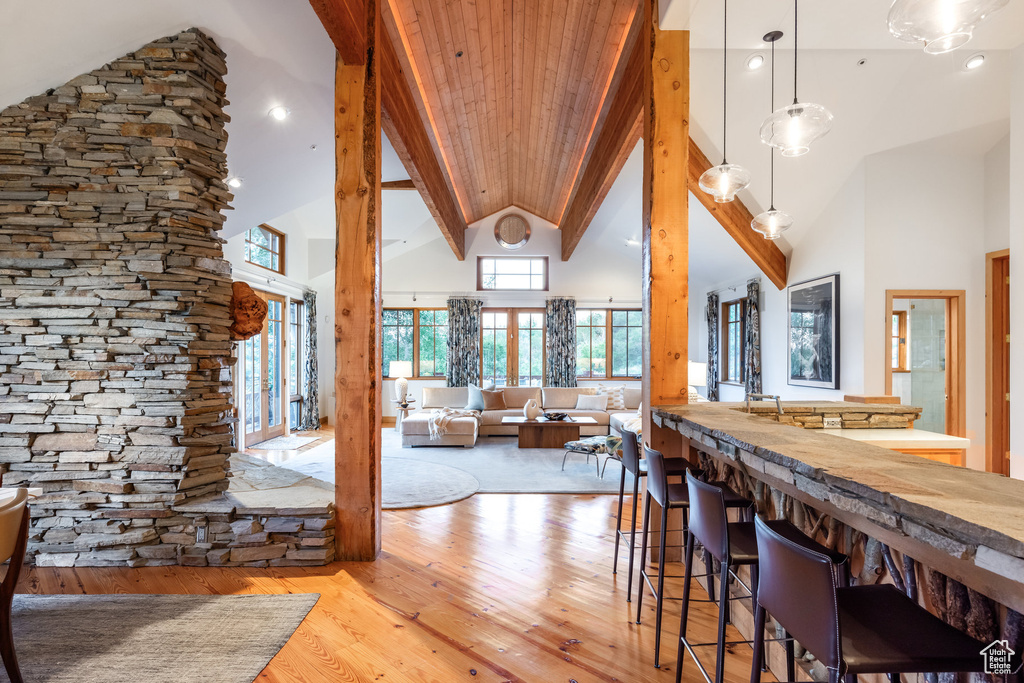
x=235, y=182
x=974, y=61
x=755, y=61
x=279, y=113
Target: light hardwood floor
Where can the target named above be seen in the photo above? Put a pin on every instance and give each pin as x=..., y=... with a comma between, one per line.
x=492, y=588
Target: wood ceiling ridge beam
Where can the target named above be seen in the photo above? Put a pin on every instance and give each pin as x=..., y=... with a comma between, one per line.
x=575, y=106
x=426, y=79
x=616, y=75
x=622, y=128
x=735, y=217
x=345, y=22
x=400, y=119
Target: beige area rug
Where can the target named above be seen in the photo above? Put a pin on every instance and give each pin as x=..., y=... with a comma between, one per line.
x=496, y=463
x=152, y=638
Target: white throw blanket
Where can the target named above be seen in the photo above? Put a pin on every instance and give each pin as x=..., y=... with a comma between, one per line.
x=441, y=417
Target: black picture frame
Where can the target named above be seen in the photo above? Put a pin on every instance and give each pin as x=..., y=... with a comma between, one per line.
x=813, y=333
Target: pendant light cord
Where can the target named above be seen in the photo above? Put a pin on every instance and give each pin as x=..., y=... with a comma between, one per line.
x=725, y=75
x=771, y=174
x=796, y=51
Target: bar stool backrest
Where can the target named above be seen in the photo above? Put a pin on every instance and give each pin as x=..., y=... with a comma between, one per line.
x=797, y=586
x=12, y=513
x=630, y=451
x=657, y=479
x=708, y=520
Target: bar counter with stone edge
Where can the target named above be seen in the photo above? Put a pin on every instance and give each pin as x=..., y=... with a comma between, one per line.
x=967, y=524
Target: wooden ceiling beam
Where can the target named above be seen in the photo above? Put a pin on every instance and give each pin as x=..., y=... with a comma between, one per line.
x=398, y=185
x=345, y=22
x=404, y=127
x=400, y=117
x=621, y=130
x=735, y=217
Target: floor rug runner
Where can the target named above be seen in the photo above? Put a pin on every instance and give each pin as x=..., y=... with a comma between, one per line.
x=152, y=638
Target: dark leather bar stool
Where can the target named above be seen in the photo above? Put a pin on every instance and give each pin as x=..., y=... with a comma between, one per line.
x=668, y=496
x=733, y=544
x=631, y=462
x=855, y=630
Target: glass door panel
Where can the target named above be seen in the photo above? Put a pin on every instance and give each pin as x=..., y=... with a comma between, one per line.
x=494, y=348
x=928, y=381
x=252, y=380
x=263, y=378
x=275, y=343
x=296, y=341
x=530, y=333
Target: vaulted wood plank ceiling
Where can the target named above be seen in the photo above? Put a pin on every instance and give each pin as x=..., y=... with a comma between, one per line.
x=512, y=118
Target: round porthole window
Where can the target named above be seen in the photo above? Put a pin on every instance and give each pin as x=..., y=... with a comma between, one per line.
x=512, y=231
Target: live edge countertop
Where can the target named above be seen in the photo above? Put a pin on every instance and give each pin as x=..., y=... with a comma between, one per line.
x=975, y=519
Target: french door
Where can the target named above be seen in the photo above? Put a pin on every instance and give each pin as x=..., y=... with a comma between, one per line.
x=512, y=346
x=263, y=379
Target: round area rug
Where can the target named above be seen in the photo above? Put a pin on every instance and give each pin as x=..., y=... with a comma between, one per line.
x=414, y=484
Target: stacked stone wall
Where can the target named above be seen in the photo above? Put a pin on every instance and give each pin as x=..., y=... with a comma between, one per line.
x=115, y=358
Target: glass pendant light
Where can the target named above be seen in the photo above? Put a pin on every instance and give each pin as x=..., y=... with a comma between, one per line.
x=942, y=25
x=772, y=223
x=792, y=129
x=725, y=180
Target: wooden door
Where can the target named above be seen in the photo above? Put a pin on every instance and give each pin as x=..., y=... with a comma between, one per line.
x=997, y=356
x=263, y=390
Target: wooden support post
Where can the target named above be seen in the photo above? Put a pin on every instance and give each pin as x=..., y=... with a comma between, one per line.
x=357, y=299
x=666, y=235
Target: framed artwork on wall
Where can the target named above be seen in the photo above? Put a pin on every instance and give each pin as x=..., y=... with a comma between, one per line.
x=814, y=333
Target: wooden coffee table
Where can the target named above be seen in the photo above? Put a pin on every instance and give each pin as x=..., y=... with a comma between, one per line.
x=542, y=433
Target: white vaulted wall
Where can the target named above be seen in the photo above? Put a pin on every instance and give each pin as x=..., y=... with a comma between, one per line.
x=917, y=217
x=1016, y=239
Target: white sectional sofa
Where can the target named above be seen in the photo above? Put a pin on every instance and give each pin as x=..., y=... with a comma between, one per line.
x=463, y=431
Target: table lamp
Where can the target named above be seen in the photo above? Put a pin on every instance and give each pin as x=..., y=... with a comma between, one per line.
x=400, y=369
x=696, y=376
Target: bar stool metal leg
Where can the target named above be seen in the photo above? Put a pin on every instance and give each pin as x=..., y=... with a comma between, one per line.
x=618, y=522
x=723, y=615
x=687, y=578
x=659, y=602
x=643, y=557
x=758, y=662
x=790, y=658
x=632, y=536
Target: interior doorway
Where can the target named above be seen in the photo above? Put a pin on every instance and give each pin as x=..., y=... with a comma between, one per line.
x=512, y=346
x=262, y=376
x=997, y=362
x=926, y=362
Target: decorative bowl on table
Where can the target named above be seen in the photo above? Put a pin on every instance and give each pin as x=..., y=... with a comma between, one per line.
x=555, y=417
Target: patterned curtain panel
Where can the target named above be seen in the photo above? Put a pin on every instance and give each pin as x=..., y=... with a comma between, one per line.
x=309, y=419
x=713, y=331
x=752, y=359
x=463, y=342
x=561, y=343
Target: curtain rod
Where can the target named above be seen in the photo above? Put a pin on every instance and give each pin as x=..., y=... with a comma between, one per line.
x=733, y=288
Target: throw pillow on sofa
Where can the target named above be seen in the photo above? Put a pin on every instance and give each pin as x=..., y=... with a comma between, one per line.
x=595, y=402
x=476, y=399
x=493, y=400
x=616, y=396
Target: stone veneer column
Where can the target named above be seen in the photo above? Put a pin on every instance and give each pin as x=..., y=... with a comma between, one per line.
x=114, y=303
